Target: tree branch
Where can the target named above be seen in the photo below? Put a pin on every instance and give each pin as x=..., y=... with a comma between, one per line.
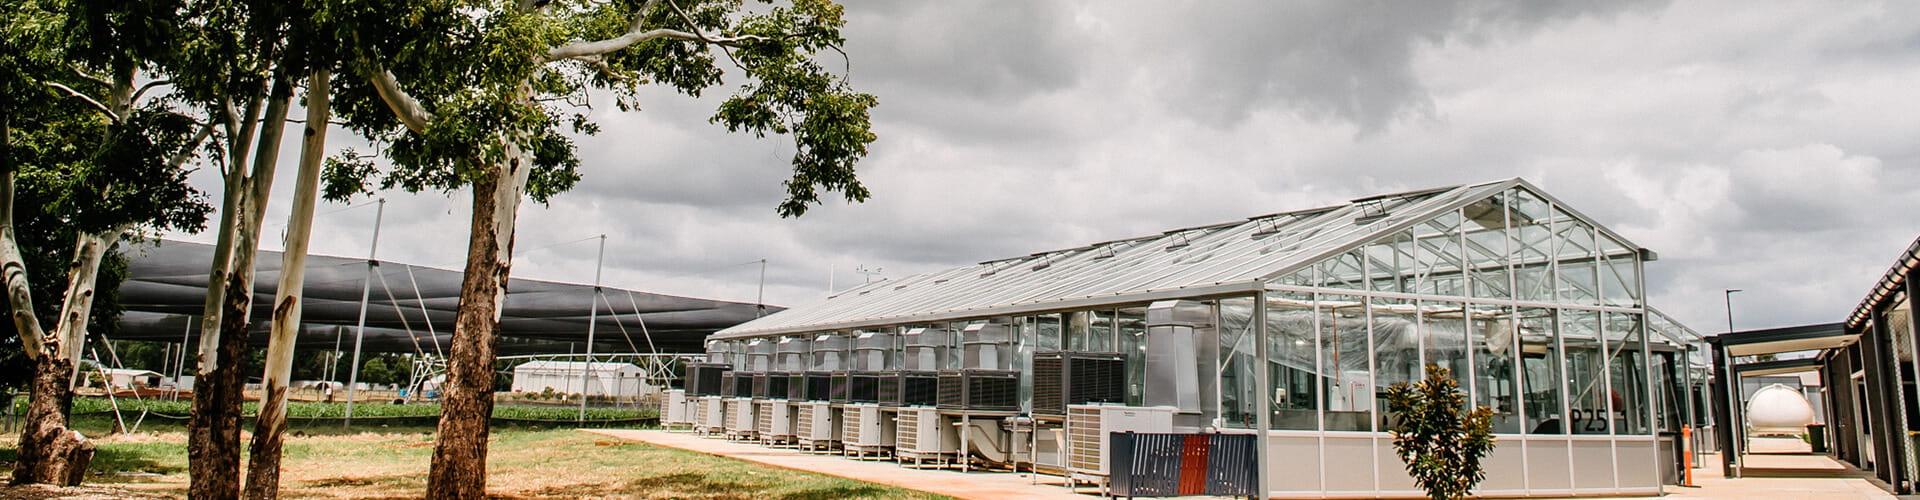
x=149, y=86
x=635, y=35
x=403, y=105
x=96, y=104
x=206, y=130
x=84, y=76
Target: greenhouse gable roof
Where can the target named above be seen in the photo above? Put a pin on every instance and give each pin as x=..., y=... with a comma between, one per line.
x=1232, y=257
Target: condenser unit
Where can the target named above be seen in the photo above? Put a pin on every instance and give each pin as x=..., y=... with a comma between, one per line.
x=1089, y=426
x=910, y=389
x=815, y=426
x=1064, y=378
x=706, y=379
x=740, y=418
x=923, y=434
x=864, y=387
x=774, y=423
x=984, y=390
x=713, y=415
x=865, y=429
x=676, y=410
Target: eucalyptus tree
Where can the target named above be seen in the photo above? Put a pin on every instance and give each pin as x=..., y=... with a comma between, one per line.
x=102, y=161
x=476, y=95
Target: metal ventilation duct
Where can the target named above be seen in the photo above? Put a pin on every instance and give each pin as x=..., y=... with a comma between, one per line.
x=1175, y=330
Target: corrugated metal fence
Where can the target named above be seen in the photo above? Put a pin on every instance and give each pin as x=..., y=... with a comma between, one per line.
x=1165, y=465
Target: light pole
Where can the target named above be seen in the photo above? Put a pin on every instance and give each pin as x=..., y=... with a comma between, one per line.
x=1729, y=294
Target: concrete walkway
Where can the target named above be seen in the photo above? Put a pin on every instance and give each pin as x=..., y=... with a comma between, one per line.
x=950, y=482
x=1832, y=480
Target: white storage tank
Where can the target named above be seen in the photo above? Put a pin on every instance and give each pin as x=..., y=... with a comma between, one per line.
x=1778, y=409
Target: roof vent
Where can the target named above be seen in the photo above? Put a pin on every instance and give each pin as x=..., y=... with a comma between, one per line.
x=1371, y=210
x=1179, y=240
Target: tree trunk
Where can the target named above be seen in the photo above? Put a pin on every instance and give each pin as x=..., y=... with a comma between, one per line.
x=50, y=453
x=459, y=467
x=77, y=307
x=263, y=476
x=213, y=448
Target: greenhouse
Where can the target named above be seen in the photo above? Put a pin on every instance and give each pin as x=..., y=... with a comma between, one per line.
x=1029, y=363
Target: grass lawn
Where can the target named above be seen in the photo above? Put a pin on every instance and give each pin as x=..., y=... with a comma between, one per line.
x=523, y=462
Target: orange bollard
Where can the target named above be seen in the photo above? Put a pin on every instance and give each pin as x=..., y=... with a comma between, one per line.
x=1686, y=443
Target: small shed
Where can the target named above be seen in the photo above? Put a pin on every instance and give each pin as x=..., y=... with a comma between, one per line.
x=579, y=377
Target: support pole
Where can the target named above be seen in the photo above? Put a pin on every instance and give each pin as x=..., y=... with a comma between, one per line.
x=360, y=326
x=1264, y=417
x=586, y=370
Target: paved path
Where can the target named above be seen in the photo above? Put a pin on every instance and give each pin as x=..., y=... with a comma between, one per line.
x=974, y=485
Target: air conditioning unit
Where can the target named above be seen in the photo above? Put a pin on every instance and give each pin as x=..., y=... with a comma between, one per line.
x=924, y=434
x=1064, y=378
x=712, y=419
x=986, y=390
x=910, y=389
x=1088, y=427
x=796, y=387
x=740, y=418
x=865, y=429
x=815, y=427
x=676, y=409
x=769, y=385
x=775, y=421
x=742, y=385
x=729, y=384
x=820, y=386
x=864, y=387
x=706, y=379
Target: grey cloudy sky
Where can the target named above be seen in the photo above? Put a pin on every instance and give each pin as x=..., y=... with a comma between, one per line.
x=1764, y=146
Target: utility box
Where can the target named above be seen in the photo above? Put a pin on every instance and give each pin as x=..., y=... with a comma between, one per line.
x=924, y=434
x=1089, y=426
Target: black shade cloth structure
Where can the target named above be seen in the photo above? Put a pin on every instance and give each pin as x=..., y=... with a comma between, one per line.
x=1729, y=414
x=166, y=286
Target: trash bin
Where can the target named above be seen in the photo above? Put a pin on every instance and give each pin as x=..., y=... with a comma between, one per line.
x=1817, y=436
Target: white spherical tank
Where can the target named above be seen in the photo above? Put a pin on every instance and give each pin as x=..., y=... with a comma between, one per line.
x=1778, y=409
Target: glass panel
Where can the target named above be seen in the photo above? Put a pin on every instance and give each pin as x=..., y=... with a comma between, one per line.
x=1540, y=372
x=1100, y=334
x=1396, y=348
x=1391, y=264
x=1620, y=276
x=1579, y=274
x=1486, y=242
x=1627, y=373
x=1344, y=362
x=1023, y=344
x=1528, y=245
x=1237, y=370
x=1290, y=341
x=1586, y=365
x=1076, y=334
x=1495, y=379
x=1438, y=257
x=1132, y=323
x=1047, y=327
x=1443, y=339
x=1343, y=271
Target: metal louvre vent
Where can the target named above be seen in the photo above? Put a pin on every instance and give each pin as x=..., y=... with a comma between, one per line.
x=728, y=385
x=1062, y=378
x=852, y=430
x=907, y=438
x=980, y=390
x=804, y=426
x=1083, y=439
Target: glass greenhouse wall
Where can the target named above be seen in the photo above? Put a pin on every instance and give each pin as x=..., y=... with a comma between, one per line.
x=1293, y=326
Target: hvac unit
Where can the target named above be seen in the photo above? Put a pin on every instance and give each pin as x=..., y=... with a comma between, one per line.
x=775, y=421
x=1064, y=378
x=863, y=387
x=815, y=426
x=742, y=386
x=676, y=411
x=1089, y=426
x=740, y=418
x=796, y=387
x=985, y=390
x=865, y=429
x=706, y=379
x=729, y=384
x=924, y=434
x=769, y=385
x=910, y=389
x=840, y=389
x=820, y=386
x=929, y=350
x=713, y=415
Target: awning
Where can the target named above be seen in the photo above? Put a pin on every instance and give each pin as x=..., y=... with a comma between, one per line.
x=1788, y=339
x=412, y=307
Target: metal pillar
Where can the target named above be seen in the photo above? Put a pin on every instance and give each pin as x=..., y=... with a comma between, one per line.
x=586, y=370
x=360, y=326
